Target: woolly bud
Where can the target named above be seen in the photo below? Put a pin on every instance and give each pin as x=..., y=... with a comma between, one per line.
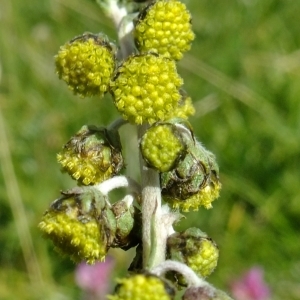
x=82, y=225
x=164, y=26
x=73, y=223
x=146, y=88
x=92, y=155
x=162, y=146
x=128, y=225
x=143, y=287
x=195, y=180
x=194, y=248
x=204, y=293
x=86, y=64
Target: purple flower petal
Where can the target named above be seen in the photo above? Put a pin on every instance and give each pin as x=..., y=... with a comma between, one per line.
x=94, y=278
x=251, y=286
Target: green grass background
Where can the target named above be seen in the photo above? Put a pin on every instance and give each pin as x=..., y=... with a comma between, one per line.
x=243, y=74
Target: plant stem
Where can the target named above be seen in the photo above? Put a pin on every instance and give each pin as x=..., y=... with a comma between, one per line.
x=153, y=242
x=118, y=182
x=154, y=233
x=116, y=124
x=190, y=276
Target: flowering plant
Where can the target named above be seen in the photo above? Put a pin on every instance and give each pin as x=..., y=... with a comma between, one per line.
x=176, y=169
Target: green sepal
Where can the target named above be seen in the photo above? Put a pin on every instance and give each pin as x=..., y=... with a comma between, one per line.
x=128, y=225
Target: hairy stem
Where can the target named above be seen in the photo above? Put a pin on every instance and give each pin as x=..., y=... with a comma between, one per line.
x=118, y=182
x=154, y=233
x=154, y=237
x=190, y=276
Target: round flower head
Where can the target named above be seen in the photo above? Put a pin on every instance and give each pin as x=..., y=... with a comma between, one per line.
x=162, y=146
x=195, y=249
x=92, y=155
x=164, y=26
x=194, y=182
x=73, y=225
x=146, y=88
x=143, y=287
x=86, y=64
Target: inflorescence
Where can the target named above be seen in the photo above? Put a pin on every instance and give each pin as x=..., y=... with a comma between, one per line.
x=146, y=89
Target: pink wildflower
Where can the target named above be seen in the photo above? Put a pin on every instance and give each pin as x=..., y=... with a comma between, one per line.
x=94, y=279
x=251, y=286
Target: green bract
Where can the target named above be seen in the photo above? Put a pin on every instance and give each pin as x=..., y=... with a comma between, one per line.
x=128, y=225
x=195, y=180
x=146, y=88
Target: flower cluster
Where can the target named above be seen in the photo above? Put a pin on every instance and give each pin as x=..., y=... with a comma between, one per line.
x=142, y=79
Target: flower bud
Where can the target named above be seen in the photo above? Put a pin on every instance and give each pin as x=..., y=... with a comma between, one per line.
x=146, y=88
x=195, y=180
x=195, y=249
x=128, y=225
x=204, y=293
x=162, y=146
x=92, y=155
x=86, y=64
x=73, y=223
x=143, y=287
x=164, y=26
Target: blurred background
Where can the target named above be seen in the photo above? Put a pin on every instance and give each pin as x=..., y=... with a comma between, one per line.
x=243, y=74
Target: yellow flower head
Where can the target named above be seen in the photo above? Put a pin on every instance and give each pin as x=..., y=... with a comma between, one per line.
x=86, y=64
x=146, y=88
x=204, y=197
x=162, y=146
x=164, y=26
x=142, y=287
x=195, y=249
x=73, y=231
x=205, y=260
x=91, y=156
